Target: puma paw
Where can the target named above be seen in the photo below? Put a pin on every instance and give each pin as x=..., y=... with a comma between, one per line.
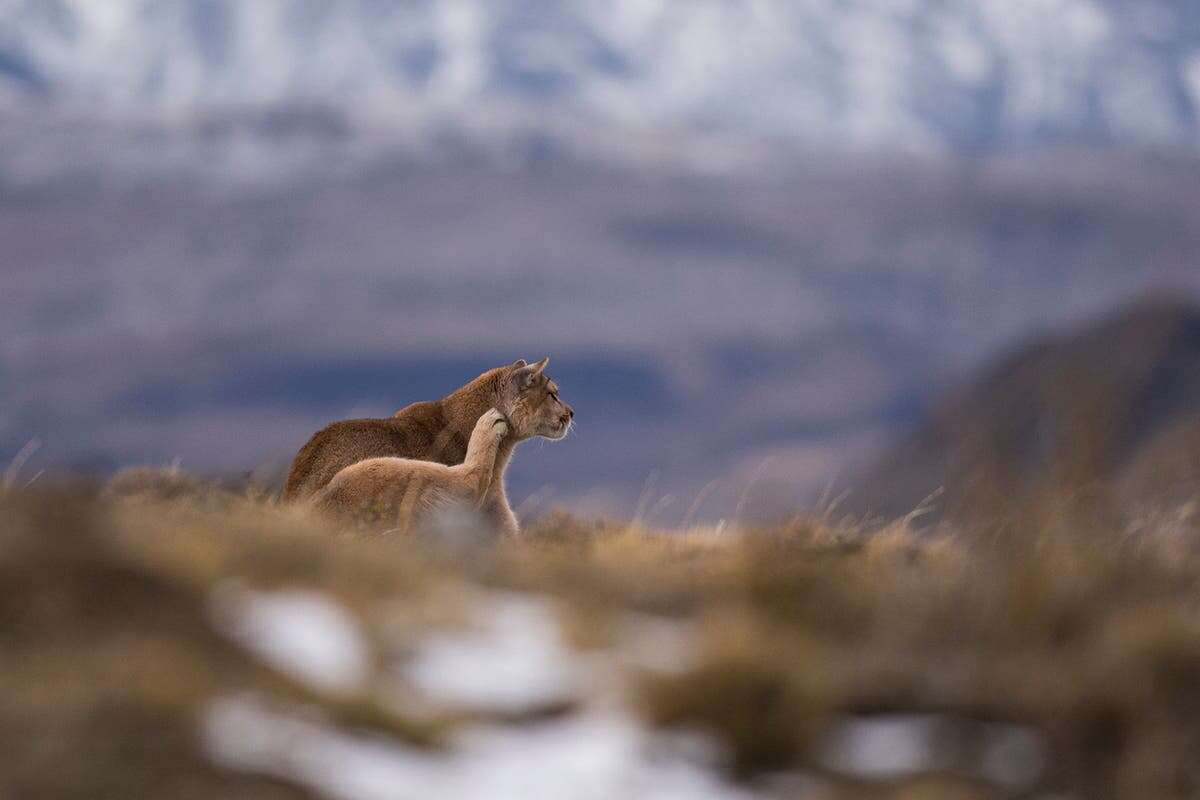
x=497, y=421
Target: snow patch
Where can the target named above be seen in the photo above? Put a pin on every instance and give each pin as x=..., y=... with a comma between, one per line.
x=594, y=756
x=897, y=745
x=301, y=633
x=884, y=747
x=513, y=658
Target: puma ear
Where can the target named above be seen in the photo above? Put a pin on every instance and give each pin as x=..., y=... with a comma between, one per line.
x=520, y=362
x=526, y=376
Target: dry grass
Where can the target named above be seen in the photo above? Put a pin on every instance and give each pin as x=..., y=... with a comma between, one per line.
x=1077, y=628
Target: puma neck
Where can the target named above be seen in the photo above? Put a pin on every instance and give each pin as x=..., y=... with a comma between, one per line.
x=463, y=407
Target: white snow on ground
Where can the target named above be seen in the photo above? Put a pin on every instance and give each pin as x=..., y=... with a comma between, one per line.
x=591, y=756
x=884, y=747
x=512, y=659
x=897, y=745
x=301, y=633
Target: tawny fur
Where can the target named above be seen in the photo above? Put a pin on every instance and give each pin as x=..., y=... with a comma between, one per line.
x=406, y=493
x=438, y=431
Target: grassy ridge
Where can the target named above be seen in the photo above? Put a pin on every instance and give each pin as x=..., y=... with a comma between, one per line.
x=1079, y=632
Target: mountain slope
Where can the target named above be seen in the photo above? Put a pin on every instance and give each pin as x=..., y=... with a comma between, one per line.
x=920, y=74
x=1116, y=400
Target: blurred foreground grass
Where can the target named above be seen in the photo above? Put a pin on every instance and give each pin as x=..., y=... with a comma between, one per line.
x=170, y=639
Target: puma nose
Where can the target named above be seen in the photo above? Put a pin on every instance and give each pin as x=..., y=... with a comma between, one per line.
x=568, y=415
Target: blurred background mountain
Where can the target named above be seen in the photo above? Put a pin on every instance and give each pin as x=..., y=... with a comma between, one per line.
x=924, y=75
x=1113, y=403
x=759, y=239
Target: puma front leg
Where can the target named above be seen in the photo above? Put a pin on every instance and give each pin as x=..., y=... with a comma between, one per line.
x=479, y=467
x=499, y=513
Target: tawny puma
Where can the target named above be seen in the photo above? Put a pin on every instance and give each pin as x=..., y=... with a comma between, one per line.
x=408, y=494
x=438, y=431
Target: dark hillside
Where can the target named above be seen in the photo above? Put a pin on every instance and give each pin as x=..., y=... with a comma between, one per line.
x=1115, y=399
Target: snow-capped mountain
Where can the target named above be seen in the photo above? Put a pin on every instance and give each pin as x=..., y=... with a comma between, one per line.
x=923, y=75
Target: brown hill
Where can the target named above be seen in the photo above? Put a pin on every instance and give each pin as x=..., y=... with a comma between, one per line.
x=1115, y=404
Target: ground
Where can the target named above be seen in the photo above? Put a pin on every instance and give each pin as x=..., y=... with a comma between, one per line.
x=168, y=638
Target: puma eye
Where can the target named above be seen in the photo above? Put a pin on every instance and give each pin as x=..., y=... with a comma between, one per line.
x=554, y=396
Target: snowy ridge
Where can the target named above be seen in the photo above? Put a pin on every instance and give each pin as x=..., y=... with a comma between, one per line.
x=924, y=75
